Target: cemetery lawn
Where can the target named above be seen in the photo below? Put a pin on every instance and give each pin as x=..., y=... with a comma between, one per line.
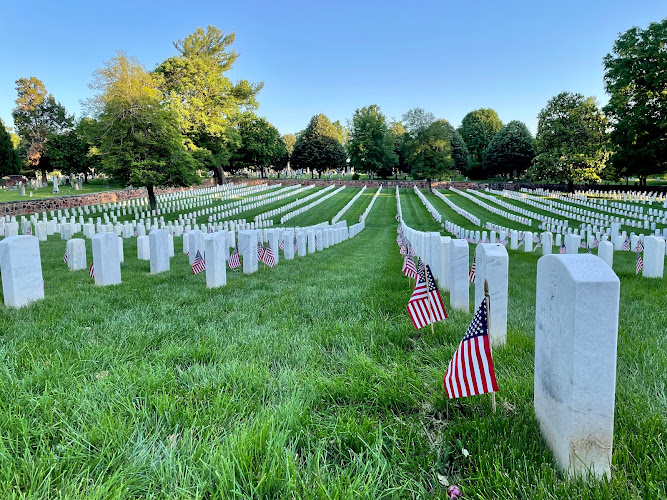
x=303, y=381
x=47, y=192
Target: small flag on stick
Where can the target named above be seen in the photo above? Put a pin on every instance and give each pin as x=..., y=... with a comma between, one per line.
x=268, y=257
x=409, y=268
x=425, y=306
x=640, y=263
x=471, y=372
x=471, y=273
x=562, y=249
x=234, y=259
x=65, y=257
x=91, y=270
x=198, y=265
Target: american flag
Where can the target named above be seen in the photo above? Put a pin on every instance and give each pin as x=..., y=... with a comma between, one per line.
x=626, y=245
x=234, y=259
x=399, y=240
x=538, y=244
x=504, y=242
x=91, y=270
x=423, y=311
x=65, y=257
x=296, y=245
x=136, y=233
x=398, y=218
x=471, y=372
x=640, y=263
x=315, y=241
x=268, y=258
x=29, y=230
x=486, y=240
x=409, y=268
x=281, y=245
x=198, y=265
x=596, y=243
x=590, y=249
x=520, y=243
x=562, y=248
x=260, y=251
x=411, y=251
x=471, y=273
x=583, y=243
x=640, y=246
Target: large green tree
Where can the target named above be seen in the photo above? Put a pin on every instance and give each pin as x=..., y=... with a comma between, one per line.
x=511, y=151
x=261, y=146
x=460, y=153
x=37, y=117
x=140, y=140
x=206, y=102
x=478, y=129
x=10, y=163
x=318, y=147
x=571, y=142
x=370, y=144
x=431, y=152
x=399, y=138
x=636, y=81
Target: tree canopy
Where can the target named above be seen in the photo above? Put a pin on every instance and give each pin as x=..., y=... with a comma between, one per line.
x=37, y=117
x=636, y=81
x=478, y=129
x=571, y=142
x=140, y=141
x=430, y=152
x=511, y=151
x=318, y=147
x=370, y=144
x=207, y=103
x=10, y=163
x=260, y=144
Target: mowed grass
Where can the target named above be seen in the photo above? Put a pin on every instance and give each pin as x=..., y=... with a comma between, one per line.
x=304, y=381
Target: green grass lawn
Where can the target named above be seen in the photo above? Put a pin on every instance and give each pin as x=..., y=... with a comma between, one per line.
x=64, y=190
x=303, y=381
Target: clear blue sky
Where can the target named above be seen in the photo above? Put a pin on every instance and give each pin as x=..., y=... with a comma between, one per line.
x=333, y=57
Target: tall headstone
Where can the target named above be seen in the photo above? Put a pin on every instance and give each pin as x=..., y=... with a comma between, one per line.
x=216, y=253
x=106, y=258
x=443, y=279
x=654, y=257
x=272, y=239
x=76, y=254
x=195, y=244
x=572, y=243
x=576, y=332
x=301, y=243
x=143, y=248
x=458, y=275
x=288, y=238
x=158, y=244
x=248, y=250
x=311, y=241
x=606, y=252
x=21, y=270
x=492, y=265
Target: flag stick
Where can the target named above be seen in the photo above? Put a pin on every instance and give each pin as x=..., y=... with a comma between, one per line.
x=487, y=304
x=428, y=295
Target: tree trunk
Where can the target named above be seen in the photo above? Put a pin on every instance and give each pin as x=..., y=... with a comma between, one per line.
x=570, y=186
x=85, y=177
x=319, y=174
x=430, y=190
x=151, y=197
x=312, y=174
x=218, y=175
x=43, y=170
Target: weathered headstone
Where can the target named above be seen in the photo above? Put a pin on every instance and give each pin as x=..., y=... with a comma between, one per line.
x=106, y=258
x=21, y=270
x=216, y=253
x=158, y=243
x=606, y=252
x=576, y=332
x=248, y=250
x=143, y=248
x=572, y=243
x=76, y=254
x=458, y=275
x=654, y=257
x=492, y=264
x=301, y=243
x=288, y=244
